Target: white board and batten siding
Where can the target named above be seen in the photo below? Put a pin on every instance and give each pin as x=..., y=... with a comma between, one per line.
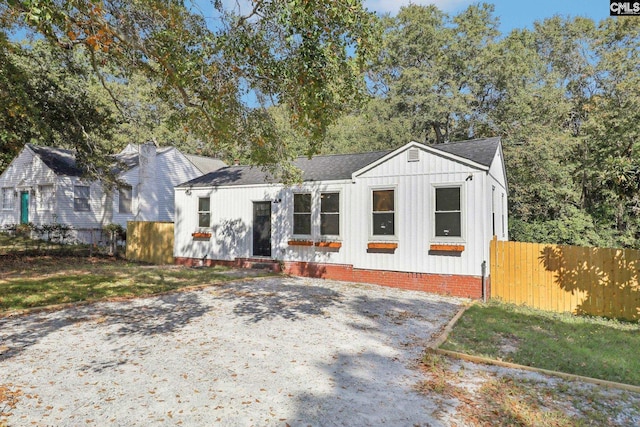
x=414, y=183
x=498, y=197
x=231, y=221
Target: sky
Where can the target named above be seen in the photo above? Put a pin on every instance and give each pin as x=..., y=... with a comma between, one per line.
x=512, y=13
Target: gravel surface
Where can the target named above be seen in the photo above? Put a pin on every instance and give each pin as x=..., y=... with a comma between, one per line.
x=269, y=351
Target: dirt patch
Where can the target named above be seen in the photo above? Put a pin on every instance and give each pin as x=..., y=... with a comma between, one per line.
x=478, y=395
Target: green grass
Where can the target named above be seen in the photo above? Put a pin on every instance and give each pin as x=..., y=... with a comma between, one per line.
x=27, y=282
x=587, y=346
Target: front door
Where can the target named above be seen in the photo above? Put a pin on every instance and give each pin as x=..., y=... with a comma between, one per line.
x=24, y=207
x=262, y=229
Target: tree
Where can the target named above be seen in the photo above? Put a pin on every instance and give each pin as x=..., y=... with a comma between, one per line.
x=47, y=99
x=307, y=55
x=434, y=69
x=610, y=152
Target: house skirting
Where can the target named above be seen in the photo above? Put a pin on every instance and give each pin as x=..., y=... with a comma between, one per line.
x=443, y=284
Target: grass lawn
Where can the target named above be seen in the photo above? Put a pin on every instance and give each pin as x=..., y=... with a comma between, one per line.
x=587, y=346
x=37, y=281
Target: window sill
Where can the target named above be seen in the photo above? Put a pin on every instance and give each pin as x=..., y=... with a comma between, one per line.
x=446, y=248
x=201, y=235
x=300, y=243
x=379, y=245
x=327, y=244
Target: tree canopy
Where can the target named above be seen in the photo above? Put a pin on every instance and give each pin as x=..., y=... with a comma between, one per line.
x=219, y=68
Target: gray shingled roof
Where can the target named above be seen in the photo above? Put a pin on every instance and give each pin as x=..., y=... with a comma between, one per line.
x=205, y=164
x=339, y=166
x=319, y=168
x=481, y=151
x=61, y=162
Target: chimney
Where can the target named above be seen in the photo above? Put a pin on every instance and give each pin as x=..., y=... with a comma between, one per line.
x=147, y=184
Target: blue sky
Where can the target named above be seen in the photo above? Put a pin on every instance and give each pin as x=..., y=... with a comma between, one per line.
x=512, y=13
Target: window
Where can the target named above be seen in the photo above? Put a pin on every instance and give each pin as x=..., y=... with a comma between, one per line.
x=125, y=195
x=8, y=197
x=204, y=212
x=302, y=214
x=45, y=198
x=383, y=213
x=448, y=219
x=81, y=194
x=330, y=214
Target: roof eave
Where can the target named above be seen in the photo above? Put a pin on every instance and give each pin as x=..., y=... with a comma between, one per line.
x=456, y=158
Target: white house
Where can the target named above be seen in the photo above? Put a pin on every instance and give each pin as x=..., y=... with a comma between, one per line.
x=418, y=217
x=43, y=185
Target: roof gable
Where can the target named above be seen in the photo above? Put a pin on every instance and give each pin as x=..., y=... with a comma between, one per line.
x=477, y=153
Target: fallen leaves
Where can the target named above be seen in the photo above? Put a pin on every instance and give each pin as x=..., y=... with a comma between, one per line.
x=9, y=397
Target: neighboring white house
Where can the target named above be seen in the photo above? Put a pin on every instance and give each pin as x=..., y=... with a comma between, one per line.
x=43, y=185
x=418, y=217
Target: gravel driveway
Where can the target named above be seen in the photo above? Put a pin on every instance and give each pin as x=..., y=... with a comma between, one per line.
x=270, y=351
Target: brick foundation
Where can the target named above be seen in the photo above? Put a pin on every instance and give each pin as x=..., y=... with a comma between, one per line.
x=443, y=284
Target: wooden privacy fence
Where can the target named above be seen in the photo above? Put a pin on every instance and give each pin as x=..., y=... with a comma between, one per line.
x=580, y=280
x=150, y=242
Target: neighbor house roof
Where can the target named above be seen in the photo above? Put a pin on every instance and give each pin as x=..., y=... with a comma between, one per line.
x=131, y=159
x=319, y=168
x=205, y=164
x=63, y=162
x=60, y=161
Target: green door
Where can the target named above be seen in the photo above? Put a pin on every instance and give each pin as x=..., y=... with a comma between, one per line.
x=24, y=207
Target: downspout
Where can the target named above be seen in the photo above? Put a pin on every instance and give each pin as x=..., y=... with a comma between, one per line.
x=483, y=267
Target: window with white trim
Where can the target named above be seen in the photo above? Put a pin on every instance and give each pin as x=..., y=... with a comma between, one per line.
x=448, y=212
x=383, y=212
x=81, y=196
x=8, y=198
x=204, y=212
x=302, y=214
x=45, y=198
x=330, y=214
x=125, y=198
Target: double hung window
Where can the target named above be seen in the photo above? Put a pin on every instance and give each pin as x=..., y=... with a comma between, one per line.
x=81, y=196
x=8, y=197
x=125, y=197
x=448, y=212
x=204, y=212
x=383, y=212
x=302, y=214
x=330, y=214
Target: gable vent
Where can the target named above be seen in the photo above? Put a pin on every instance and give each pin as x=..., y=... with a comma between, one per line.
x=413, y=155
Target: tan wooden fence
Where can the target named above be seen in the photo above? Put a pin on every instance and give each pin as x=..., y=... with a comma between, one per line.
x=580, y=280
x=150, y=242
